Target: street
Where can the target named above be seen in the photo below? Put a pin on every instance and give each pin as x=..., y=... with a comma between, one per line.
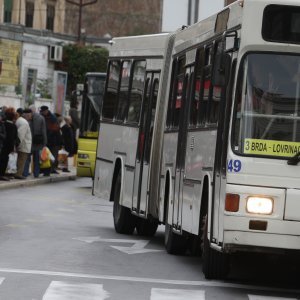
x=58, y=242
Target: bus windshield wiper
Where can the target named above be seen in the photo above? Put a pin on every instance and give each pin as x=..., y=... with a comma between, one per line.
x=294, y=160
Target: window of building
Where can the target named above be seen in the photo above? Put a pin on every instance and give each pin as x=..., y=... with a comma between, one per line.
x=7, y=11
x=50, y=17
x=29, y=14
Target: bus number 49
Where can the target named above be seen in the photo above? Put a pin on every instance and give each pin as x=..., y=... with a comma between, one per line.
x=234, y=166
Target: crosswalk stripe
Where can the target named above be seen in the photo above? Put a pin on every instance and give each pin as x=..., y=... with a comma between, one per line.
x=176, y=294
x=61, y=290
x=257, y=297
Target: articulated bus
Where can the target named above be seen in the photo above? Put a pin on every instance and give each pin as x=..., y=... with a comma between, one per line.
x=93, y=92
x=218, y=163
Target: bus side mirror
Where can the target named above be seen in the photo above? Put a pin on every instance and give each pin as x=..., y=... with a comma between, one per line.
x=221, y=69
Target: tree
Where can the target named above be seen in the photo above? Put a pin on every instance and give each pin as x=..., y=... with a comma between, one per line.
x=78, y=60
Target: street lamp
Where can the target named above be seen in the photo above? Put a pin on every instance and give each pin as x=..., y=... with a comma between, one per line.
x=80, y=4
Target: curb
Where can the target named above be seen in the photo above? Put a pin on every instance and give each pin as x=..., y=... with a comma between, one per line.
x=16, y=183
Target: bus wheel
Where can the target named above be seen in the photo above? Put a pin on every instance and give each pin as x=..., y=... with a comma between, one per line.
x=146, y=227
x=174, y=243
x=215, y=264
x=124, y=221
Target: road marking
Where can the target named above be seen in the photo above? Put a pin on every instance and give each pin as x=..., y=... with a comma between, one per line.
x=137, y=248
x=65, y=209
x=208, y=283
x=172, y=294
x=34, y=221
x=257, y=297
x=51, y=215
x=15, y=225
x=1, y=280
x=61, y=290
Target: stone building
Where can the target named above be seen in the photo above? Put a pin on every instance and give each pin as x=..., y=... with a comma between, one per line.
x=115, y=18
x=102, y=18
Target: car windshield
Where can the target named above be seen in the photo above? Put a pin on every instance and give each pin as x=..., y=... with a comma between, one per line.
x=267, y=112
x=91, y=107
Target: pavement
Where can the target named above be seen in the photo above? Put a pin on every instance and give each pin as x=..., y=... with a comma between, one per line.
x=31, y=181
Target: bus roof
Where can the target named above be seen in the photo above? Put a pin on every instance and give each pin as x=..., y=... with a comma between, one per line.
x=143, y=45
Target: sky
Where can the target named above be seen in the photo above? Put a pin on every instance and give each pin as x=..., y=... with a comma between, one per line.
x=175, y=12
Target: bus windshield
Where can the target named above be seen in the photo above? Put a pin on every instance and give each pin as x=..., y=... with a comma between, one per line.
x=91, y=106
x=267, y=119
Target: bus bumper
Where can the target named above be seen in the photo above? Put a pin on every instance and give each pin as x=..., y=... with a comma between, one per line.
x=279, y=235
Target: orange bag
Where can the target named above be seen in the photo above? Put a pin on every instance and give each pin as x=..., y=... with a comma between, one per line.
x=44, y=154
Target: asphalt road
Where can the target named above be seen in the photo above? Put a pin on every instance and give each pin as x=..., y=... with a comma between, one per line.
x=57, y=242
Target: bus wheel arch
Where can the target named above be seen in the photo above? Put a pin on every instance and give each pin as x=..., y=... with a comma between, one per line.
x=124, y=221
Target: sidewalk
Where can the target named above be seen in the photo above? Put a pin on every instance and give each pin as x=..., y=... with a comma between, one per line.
x=31, y=181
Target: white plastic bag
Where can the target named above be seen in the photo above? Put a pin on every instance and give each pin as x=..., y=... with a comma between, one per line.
x=12, y=163
x=62, y=159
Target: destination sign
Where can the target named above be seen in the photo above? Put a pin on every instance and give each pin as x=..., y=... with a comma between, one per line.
x=270, y=147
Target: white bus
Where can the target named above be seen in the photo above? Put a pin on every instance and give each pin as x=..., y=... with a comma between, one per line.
x=126, y=130
x=224, y=176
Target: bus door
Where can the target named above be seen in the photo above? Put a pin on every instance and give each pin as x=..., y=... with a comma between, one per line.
x=183, y=94
x=140, y=189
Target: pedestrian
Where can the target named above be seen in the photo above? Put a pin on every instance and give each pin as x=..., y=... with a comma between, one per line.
x=54, y=139
x=24, y=147
x=39, y=139
x=73, y=113
x=9, y=141
x=2, y=132
x=69, y=139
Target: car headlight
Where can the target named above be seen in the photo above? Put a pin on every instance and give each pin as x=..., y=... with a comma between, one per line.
x=84, y=156
x=260, y=205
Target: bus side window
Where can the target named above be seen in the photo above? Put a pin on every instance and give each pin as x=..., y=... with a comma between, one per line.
x=178, y=99
x=137, y=90
x=206, y=87
x=196, y=92
x=123, y=93
x=111, y=95
x=215, y=98
x=171, y=95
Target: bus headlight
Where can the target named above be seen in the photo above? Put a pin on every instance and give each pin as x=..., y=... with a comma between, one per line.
x=83, y=156
x=260, y=205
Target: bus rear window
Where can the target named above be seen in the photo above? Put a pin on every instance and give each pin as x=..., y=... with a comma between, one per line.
x=281, y=23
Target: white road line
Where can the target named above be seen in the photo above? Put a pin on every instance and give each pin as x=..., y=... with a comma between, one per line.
x=61, y=290
x=1, y=280
x=172, y=294
x=210, y=283
x=257, y=297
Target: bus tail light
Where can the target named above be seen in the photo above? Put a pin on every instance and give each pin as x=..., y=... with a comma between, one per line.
x=232, y=202
x=260, y=205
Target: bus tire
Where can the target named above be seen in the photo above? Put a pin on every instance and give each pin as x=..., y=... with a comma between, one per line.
x=146, y=227
x=174, y=243
x=124, y=221
x=215, y=264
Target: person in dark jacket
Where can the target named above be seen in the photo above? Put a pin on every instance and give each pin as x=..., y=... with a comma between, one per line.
x=54, y=139
x=39, y=139
x=69, y=138
x=9, y=141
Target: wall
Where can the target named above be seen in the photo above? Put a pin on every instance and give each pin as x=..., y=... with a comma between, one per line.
x=36, y=57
